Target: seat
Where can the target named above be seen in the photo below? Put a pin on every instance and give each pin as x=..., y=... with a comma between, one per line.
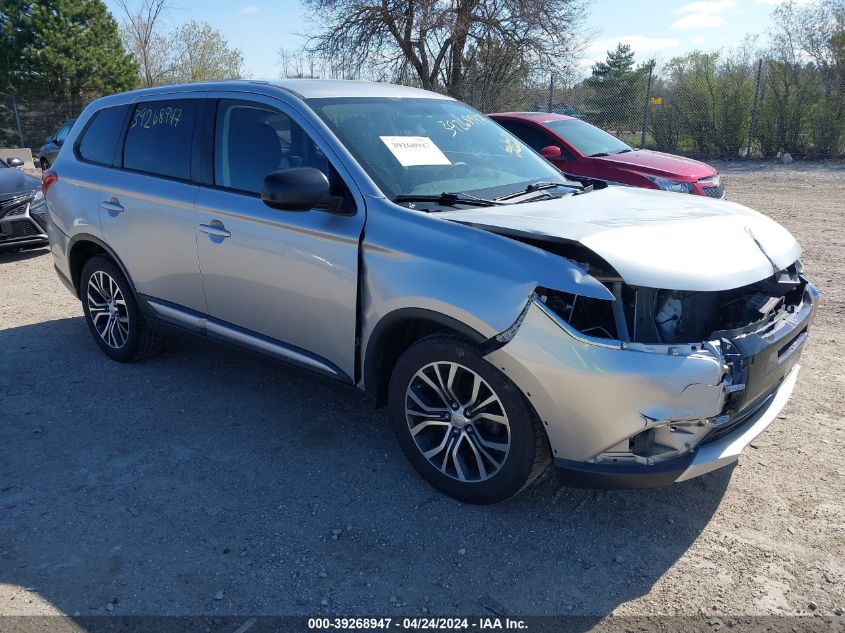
x=254, y=151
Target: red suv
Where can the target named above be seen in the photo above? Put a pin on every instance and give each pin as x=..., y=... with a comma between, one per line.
x=581, y=149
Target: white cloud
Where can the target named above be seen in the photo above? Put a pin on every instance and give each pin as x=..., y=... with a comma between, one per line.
x=248, y=11
x=698, y=21
x=640, y=43
x=699, y=40
x=776, y=2
x=644, y=47
x=707, y=6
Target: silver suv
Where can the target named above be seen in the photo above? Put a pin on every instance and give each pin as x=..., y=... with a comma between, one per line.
x=399, y=241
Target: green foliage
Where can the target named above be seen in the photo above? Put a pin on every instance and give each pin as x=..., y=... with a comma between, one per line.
x=66, y=50
x=785, y=105
x=201, y=53
x=802, y=109
x=706, y=100
x=616, y=91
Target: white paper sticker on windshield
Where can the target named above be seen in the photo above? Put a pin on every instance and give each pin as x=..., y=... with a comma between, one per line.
x=415, y=150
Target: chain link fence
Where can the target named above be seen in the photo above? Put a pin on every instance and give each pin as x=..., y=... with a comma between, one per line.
x=27, y=123
x=700, y=109
x=757, y=110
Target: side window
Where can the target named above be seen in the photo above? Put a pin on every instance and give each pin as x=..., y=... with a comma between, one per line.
x=532, y=137
x=251, y=140
x=99, y=141
x=160, y=137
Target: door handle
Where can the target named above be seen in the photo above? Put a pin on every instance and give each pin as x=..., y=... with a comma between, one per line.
x=215, y=229
x=113, y=206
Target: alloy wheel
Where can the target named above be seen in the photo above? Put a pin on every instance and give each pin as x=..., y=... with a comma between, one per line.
x=457, y=421
x=107, y=309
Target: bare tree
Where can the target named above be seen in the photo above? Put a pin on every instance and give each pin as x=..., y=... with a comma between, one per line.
x=144, y=41
x=304, y=63
x=428, y=41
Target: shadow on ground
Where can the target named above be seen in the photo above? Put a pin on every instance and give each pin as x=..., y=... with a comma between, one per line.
x=209, y=481
x=8, y=256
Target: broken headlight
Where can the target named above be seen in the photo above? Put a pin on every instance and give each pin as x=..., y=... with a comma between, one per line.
x=591, y=317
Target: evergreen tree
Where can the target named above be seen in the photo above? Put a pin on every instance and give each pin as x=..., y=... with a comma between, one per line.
x=619, y=64
x=62, y=50
x=616, y=91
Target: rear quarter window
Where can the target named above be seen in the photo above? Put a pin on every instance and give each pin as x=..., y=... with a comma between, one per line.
x=99, y=140
x=159, y=138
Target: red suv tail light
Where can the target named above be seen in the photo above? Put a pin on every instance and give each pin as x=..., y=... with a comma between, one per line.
x=47, y=179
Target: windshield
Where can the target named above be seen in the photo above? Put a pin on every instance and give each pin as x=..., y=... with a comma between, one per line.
x=588, y=139
x=413, y=147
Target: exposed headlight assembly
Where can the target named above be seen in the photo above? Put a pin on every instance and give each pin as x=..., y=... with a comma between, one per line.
x=677, y=186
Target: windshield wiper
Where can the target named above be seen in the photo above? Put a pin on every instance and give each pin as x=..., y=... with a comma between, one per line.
x=598, y=155
x=447, y=199
x=535, y=187
x=624, y=151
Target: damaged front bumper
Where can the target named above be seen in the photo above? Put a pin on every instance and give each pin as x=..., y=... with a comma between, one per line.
x=631, y=415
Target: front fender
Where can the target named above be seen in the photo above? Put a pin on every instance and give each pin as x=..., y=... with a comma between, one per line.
x=414, y=260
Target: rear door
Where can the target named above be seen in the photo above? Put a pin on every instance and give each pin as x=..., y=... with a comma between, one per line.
x=286, y=281
x=147, y=210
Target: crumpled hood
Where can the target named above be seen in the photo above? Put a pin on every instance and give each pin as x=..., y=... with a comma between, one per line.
x=653, y=238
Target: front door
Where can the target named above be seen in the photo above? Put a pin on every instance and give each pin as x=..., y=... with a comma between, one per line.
x=289, y=277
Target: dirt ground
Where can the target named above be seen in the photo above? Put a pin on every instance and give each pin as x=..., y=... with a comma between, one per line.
x=210, y=481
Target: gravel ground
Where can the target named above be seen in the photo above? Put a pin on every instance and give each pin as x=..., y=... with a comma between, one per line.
x=209, y=481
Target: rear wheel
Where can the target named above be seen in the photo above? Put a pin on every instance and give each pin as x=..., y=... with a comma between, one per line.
x=464, y=425
x=113, y=315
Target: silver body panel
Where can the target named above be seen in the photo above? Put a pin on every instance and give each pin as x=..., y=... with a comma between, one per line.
x=593, y=397
x=313, y=287
x=155, y=235
x=727, y=450
x=652, y=239
x=289, y=276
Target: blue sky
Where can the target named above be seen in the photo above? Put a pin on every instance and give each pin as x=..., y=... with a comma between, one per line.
x=655, y=28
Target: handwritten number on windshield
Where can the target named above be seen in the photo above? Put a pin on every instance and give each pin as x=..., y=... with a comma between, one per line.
x=464, y=123
x=511, y=148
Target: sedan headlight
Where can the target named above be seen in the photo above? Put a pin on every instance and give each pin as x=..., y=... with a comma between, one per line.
x=678, y=186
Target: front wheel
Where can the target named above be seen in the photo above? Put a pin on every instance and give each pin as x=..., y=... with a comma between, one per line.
x=45, y=164
x=112, y=314
x=464, y=425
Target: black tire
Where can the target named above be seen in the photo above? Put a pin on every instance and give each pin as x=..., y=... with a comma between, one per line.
x=139, y=341
x=45, y=164
x=528, y=454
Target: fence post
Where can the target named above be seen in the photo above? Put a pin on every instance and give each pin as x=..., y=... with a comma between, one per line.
x=754, y=105
x=647, y=103
x=551, y=90
x=17, y=119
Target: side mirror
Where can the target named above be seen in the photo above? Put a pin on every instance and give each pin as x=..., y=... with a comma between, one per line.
x=552, y=152
x=15, y=162
x=298, y=189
